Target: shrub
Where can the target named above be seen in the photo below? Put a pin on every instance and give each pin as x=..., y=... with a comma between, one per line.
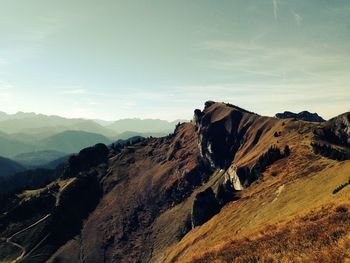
x=340, y=187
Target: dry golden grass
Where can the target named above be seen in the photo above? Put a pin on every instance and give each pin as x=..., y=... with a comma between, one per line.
x=319, y=236
x=27, y=194
x=302, y=182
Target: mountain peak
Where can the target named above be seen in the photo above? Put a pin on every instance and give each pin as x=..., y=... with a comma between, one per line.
x=303, y=115
x=229, y=173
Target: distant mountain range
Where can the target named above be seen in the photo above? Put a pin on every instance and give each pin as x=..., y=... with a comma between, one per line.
x=39, y=158
x=37, y=139
x=35, y=126
x=144, y=125
x=64, y=142
x=235, y=187
x=40, y=126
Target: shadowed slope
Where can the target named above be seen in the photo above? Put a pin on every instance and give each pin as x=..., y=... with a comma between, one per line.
x=213, y=183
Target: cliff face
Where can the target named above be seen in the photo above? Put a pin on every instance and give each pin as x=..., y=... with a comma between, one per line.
x=151, y=200
x=336, y=130
x=150, y=182
x=220, y=133
x=333, y=138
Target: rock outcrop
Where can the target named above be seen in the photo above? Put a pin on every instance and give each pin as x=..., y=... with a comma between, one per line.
x=219, y=133
x=333, y=138
x=304, y=116
x=135, y=202
x=205, y=206
x=336, y=130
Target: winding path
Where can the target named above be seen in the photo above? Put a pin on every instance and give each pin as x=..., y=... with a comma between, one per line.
x=9, y=240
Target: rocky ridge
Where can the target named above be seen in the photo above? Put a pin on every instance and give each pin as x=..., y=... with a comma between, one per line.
x=303, y=115
x=131, y=192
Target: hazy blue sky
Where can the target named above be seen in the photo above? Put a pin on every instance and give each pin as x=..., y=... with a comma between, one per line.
x=162, y=59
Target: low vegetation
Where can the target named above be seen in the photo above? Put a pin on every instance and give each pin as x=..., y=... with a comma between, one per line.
x=273, y=154
x=329, y=152
x=320, y=236
x=340, y=187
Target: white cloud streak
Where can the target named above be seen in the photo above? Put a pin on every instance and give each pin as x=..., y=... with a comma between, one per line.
x=275, y=8
x=298, y=19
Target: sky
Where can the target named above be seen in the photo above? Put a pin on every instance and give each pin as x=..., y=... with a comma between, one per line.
x=163, y=59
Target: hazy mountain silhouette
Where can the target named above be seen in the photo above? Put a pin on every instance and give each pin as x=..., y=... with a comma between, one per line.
x=231, y=177
x=72, y=141
x=38, y=158
x=30, y=133
x=11, y=147
x=65, y=142
x=32, y=123
x=9, y=167
x=143, y=125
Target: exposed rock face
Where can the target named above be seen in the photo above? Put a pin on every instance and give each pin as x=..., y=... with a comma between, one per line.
x=334, y=138
x=219, y=133
x=304, y=115
x=232, y=177
x=227, y=188
x=205, y=206
x=336, y=130
x=126, y=196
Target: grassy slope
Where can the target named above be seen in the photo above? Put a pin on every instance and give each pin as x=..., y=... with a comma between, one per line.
x=304, y=182
x=287, y=207
x=321, y=235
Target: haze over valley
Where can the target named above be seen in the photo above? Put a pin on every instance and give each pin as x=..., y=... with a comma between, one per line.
x=175, y=131
x=36, y=139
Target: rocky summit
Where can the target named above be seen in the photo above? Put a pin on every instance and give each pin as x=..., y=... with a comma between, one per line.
x=229, y=186
x=304, y=115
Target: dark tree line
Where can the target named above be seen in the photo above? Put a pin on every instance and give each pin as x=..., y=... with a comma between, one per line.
x=272, y=155
x=329, y=152
x=340, y=187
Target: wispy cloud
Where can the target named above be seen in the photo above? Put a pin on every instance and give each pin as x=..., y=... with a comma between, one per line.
x=275, y=8
x=274, y=61
x=279, y=75
x=298, y=19
x=29, y=41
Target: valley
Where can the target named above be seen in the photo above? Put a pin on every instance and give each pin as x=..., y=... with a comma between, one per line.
x=226, y=184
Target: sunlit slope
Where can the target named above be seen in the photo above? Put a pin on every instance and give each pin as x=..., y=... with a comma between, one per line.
x=297, y=184
x=230, y=186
